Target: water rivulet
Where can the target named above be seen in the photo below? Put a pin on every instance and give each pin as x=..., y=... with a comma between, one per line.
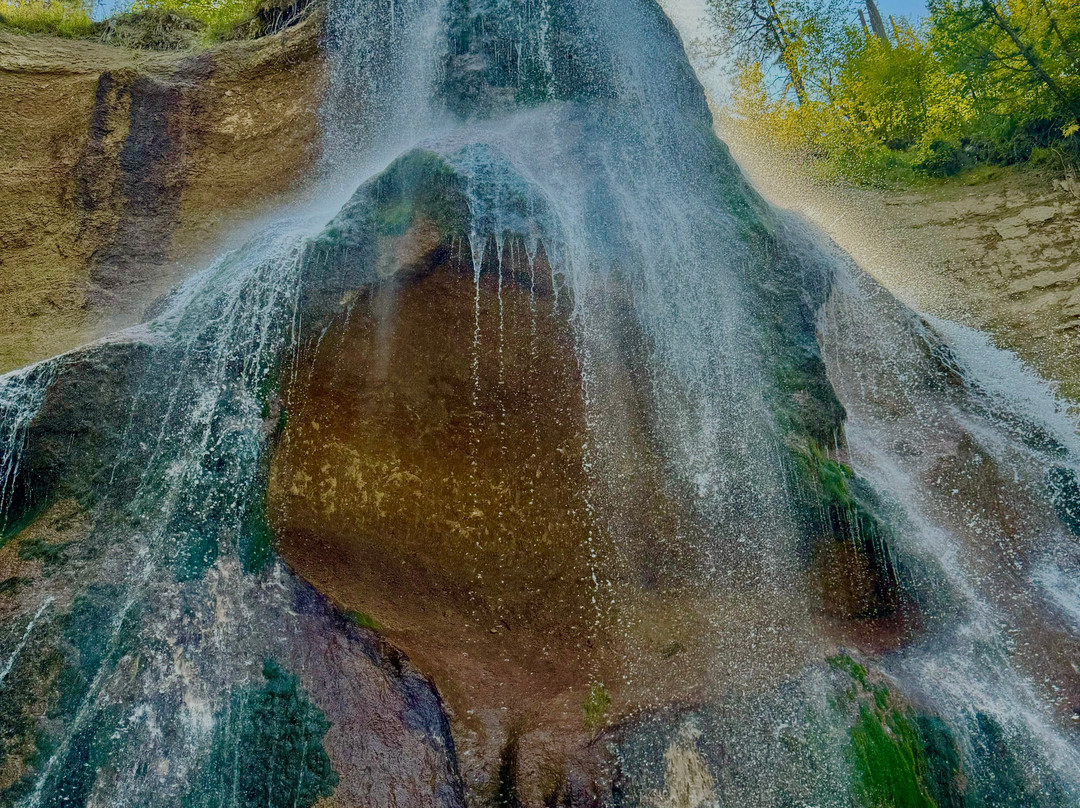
x=666, y=503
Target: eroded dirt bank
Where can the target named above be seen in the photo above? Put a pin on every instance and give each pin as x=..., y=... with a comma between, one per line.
x=120, y=169
x=1000, y=253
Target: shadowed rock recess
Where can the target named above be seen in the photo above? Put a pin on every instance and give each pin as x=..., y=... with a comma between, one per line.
x=540, y=463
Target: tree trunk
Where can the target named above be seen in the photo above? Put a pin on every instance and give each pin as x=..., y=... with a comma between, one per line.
x=875, y=21
x=787, y=59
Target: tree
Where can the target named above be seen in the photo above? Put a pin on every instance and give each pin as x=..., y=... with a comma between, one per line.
x=797, y=39
x=1017, y=56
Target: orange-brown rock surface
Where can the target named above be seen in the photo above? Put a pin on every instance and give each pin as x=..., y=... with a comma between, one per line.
x=433, y=478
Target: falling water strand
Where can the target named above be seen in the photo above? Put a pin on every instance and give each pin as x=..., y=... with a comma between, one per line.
x=45, y=604
x=21, y=396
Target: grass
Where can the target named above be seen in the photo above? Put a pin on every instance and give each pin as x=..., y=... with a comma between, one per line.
x=63, y=19
x=152, y=24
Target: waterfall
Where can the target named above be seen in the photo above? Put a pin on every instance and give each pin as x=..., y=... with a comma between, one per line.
x=866, y=521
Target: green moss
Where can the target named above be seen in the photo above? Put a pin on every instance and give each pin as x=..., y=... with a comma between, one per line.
x=87, y=754
x=25, y=690
x=804, y=403
x=844, y=663
x=267, y=751
x=12, y=585
x=225, y=509
x=91, y=638
x=838, y=507
x=597, y=703
x=890, y=763
x=364, y=620
x=394, y=219
x=900, y=758
x=944, y=776
x=25, y=514
x=831, y=488
x=420, y=185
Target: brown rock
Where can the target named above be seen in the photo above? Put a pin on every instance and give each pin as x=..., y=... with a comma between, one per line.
x=121, y=170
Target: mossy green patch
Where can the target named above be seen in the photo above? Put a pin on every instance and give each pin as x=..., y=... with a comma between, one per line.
x=364, y=620
x=900, y=758
x=597, y=703
x=419, y=185
x=24, y=694
x=97, y=629
x=97, y=632
x=394, y=219
x=86, y=754
x=12, y=585
x=25, y=513
x=844, y=663
x=890, y=762
x=832, y=489
x=944, y=776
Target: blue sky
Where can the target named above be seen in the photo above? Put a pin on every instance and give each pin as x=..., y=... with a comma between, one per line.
x=907, y=8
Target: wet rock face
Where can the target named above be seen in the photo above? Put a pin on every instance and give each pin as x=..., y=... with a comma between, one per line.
x=127, y=188
x=124, y=169
x=430, y=478
x=74, y=438
x=433, y=479
x=236, y=667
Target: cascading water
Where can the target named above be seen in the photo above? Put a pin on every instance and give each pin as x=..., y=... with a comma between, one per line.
x=786, y=544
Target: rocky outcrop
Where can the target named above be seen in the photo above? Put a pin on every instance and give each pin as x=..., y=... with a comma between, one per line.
x=122, y=169
x=998, y=252
x=433, y=478
x=625, y=564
